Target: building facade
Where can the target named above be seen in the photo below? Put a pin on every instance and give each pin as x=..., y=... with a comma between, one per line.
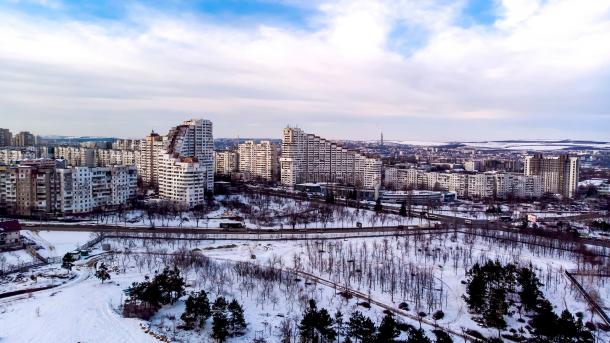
x=6, y=137
x=258, y=160
x=309, y=158
x=560, y=174
x=226, y=162
x=23, y=139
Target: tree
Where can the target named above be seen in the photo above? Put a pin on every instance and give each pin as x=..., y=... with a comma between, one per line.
x=530, y=291
x=360, y=327
x=237, y=322
x=67, y=261
x=220, y=326
x=545, y=320
x=442, y=336
x=102, y=272
x=438, y=315
x=494, y=314
x=316, y=324
x=197, y=310
x=418, y=336
x=388, y=330
x=339, y=327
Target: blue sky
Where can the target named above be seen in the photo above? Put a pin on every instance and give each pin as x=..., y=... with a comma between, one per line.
x=414, y=69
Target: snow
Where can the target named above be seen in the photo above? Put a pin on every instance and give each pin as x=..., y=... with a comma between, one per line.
x=57, y=243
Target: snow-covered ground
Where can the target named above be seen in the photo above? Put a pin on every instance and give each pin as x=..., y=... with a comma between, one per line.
x=82, y=309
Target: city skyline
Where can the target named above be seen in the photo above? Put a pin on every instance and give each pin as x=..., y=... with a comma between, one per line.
x=418, y=70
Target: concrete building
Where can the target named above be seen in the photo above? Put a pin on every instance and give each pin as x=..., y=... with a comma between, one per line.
x=258, y=160
x=475, y=185
x=23, y=139
x=6, y=137
x=10, y=237
x=151, y=149
x=186, y=167
x=45, y=187
x=127, y=144
x=226, y=162
x=76, y=156
x=559, y=173
x=309, y=158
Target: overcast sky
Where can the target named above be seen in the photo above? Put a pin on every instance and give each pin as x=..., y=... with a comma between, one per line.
x=435, y=70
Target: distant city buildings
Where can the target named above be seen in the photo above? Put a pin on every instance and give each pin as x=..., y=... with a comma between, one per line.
x=258, y=160
x=560, y=173
x=6, y=137
x=151, y=149
x=23, y=139
x=309, y=158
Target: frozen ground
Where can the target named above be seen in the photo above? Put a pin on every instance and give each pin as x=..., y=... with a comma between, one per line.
x=82, y=309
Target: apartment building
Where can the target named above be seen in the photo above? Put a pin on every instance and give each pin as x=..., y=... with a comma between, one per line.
x=226, y=162
x=258, y=160
x=186, y=167
x=476, y=185
x=23, y=139
x=559, y=173
x=127, y=144
x=46, y=187
x=151, y=149
x=310, y=158
x=6, y=137
x=76, y=156
x=112, y=157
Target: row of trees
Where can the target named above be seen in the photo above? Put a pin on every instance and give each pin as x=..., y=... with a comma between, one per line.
x=318, y=326
x=147, y=297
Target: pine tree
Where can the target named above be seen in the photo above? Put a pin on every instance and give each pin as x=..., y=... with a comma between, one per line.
x=388, y=330
x=339, y=324
x=197, y=310
x=325, y=325
x=360, y=327
x=102, y=272
x=220, y=326
x=418, y=336
x=442, y=337
x=530, y=291
x=544, y=321
x=378, y=207
x=307, y=326
x=236, y=319
x=494, y=314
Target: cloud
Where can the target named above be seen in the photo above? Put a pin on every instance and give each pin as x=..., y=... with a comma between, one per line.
x=538, y=62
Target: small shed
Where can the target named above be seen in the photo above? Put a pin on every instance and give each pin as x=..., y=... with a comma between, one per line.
x=10, y=237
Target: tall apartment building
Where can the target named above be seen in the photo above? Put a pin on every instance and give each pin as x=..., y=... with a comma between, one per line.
x=559, y=173
x=46, y=187
x=23, y=139
x=151, y=149
x=6, y=137
x=186, y=167
x=258, y=160
x=112, y=157
x=226, y=162
x=309, y=158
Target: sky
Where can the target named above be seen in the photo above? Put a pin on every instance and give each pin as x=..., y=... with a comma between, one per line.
x=434, y=70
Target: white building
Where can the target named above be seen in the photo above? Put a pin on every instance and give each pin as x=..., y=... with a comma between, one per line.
x=309, y=158
x=151, y=149
x=258, y=160
x=186, y=167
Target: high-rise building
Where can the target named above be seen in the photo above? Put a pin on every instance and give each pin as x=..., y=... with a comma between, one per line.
x=186, y=167
x=6, y=137
x=151, y=149
x=226, y=162
x=309, y=158
x=23, y=139
x=76, y=157
x=559, y=173
x=258, y=160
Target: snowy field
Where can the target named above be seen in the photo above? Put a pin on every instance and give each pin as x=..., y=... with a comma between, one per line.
x=424, y=271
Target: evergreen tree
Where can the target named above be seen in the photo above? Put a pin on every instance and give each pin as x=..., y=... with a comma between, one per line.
x=442, y=337
x=494, y=314
x=325, y=325
x=544, y=321
x=220, y=326
x=530, y=291
x=388, y=330
x=197, y=310
x=476, y=289
x=307, y=326
x=339, y=327
x=102, y=272
x=236, y=319
x=360, y=327
x=418, y=336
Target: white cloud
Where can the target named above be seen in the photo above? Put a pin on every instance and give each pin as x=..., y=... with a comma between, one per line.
x=540, y=59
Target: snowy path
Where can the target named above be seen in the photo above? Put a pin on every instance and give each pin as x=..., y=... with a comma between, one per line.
x=70, y=313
